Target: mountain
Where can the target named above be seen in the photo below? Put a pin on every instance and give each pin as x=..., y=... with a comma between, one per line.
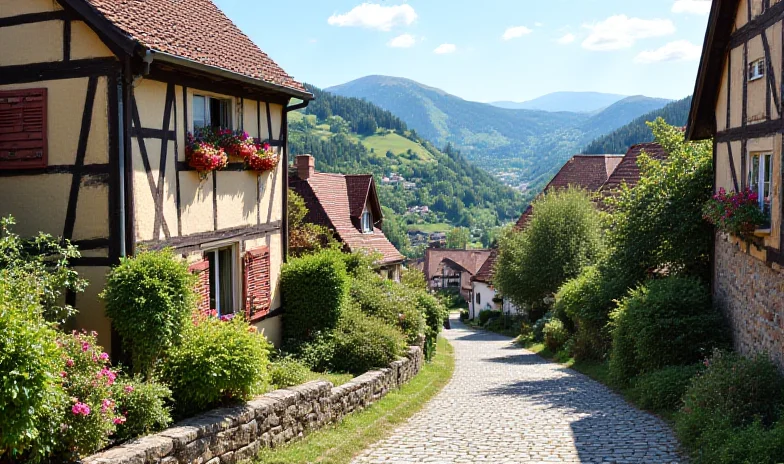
x=575, y=102
x=350, y=136
x=637, y=131
x=533, y=143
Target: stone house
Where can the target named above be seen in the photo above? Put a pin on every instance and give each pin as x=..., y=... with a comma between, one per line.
x=97, y=98
x=738, y=102
x=349, y=206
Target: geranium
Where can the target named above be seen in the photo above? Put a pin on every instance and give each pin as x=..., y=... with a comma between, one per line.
x=264, y=159
x=736, y=213
x=237, y=143
x=204, y=152
x=80, y=409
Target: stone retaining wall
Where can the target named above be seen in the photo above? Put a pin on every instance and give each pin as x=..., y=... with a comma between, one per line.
x=230, y=435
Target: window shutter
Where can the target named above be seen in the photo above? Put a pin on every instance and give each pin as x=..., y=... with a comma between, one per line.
x=23, y=129
x=257, y=294
x=202, y=270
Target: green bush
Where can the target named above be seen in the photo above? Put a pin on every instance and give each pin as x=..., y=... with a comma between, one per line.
x=666, y=322
x=363, y=342
x=217, y=361
x=663, y=390
x=30, y=365
x=287, y=372
x=464, y=315
x=555, y=335
x=143, y=405
x=414, y=279
x=149, y=298
x=754, y=444
x=537, y=329
x=315, y=291
x=317, y=354
x=435, y=313
x=391, y=302
x=487, y=314
x=733, y=389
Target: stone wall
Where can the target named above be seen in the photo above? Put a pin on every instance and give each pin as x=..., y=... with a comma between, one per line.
x=751, y=295
x=230, y=435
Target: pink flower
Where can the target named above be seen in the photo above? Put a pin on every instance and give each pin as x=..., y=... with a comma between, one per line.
x=81, y=409
x=69, y=363
x=106, y=405
x=110, y=376
x=128, y=389
x=119, y=420
x=85, y=346
x=103, y=356
x=63, y=374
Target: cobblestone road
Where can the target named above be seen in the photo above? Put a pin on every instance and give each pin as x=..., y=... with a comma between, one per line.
x=507, y=405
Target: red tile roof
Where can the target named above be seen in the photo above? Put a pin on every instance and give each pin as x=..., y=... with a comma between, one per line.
x=470, y=260
x=358, y=190
x=628, y=171
x=487, y=271
x=329, y=201
x=196, y=30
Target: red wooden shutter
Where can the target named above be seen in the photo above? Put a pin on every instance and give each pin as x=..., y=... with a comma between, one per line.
x=23, y=129
x=256, y=267
x=202, y=271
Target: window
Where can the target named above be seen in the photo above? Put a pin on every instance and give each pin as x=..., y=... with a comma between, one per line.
x=760, y=176
x=367, y=222
x=756, y=69
x=211, y=112
x=222, y=279
x=23, y=143
x=478, y=298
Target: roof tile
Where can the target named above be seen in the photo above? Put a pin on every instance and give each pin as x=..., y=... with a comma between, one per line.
x=629, y=171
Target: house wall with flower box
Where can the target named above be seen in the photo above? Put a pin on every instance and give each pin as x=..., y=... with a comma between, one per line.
x=97, y=102
x=738, y=102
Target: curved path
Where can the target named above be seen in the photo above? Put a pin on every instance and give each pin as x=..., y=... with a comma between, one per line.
x=508, y=405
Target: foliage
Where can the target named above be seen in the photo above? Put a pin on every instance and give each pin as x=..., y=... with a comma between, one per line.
x=584, y=301
x=555, y=335
x=736, y=213
x=457, y=238
x=149, y=298
x=734, y=389
x=287, y=372
x=666, y=322
x=487, y=314
x=394, y=229
x=464, y=315
x=363, y=342
x=304, y=236
x=663, y=390
x=391, y=302
x=90, y=417
x=754, y=444
x=322, y=278
x=435, y=313
x=537, y=330
x=562, y=237
x=143, y=404
x=30, y=392
x=44, y=260
x=414, y=279
x=216, y=361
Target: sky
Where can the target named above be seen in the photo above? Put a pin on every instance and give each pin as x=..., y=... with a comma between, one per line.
x=486, y=50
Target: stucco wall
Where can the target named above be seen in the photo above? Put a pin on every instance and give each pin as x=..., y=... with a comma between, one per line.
x=17, y=7
x=486, y=297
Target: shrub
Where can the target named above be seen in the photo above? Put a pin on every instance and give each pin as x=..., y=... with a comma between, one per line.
x=487, y=314
x=143, y=404
x=666, y=322
x=555, y=335
x=287, y=372
x=315, y=291
x=90, y=417
x=464, y=315
x=363, y=342
x=734, y=389
x=317, y=354
x=414, y=279
x=755, y=444
x=663, y=390
x=217, y=361
x=435, y=313
x=30, y=366
x=537, y=329
x=149, y=298
x=391, y=302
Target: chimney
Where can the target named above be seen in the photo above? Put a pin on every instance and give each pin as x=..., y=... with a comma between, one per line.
x=306, y=166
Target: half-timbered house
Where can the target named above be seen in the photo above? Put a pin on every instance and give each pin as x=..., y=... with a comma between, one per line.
x=738, y=101
x=97, y=98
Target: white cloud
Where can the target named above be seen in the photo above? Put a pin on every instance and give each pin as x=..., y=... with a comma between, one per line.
x=375, y=16
x=680, y=50
x=516, y=32
x=566, y=39
x=402, y=41
x=618, y=32
x=692, y=6
x=445, y=48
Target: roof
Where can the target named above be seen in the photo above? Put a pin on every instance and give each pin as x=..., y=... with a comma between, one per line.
x=194, y=30
x=629, y=171
x=358, y=190
x=487, y=271
x=702, y=122
x=329, y=199
x=469, y=260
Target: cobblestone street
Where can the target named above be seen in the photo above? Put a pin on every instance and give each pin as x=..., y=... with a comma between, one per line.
x=507, y=405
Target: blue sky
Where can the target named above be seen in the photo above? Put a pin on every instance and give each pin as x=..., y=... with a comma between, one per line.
x=486, y=50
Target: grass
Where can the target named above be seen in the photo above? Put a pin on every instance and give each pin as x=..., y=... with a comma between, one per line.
x=336, y=379
x=431, y=228
x=339, y=443
x=397, y=144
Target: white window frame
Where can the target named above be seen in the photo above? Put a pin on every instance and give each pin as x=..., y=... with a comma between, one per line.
x=756, y=69
x=764, y=179
x=235, y=277
x=366, y=221
x=207, y=118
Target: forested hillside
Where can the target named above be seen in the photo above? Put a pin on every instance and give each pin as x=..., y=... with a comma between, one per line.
x=637, y=131
x=337, y=132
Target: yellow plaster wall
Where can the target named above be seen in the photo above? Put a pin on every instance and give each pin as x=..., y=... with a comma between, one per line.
x=723, y=173
x=721, y=102
x=755, y=108
x=250, y=118
x=277, y=118
x=736, y=90
x=742, y=16
x=20, y=7
x=272, y=329
x=33, y=43
x=237, y=204
x=756, y=8
x=92, y=313
x=92, y=212
x=151, y=100
x=774, y=41
x=196, y=203
x=38, y=203
x=736, y=156
x=272, y=194
x=85, y=43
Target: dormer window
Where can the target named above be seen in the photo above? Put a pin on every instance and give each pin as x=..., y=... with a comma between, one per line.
x=756, y=70
x=367, y=222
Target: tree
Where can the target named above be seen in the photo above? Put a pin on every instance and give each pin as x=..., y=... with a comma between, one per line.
x=304, y=237
x=562, y=237
x=458, y=238
x=395, y=231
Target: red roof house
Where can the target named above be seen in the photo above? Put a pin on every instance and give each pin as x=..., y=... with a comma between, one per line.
x=628, y=171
